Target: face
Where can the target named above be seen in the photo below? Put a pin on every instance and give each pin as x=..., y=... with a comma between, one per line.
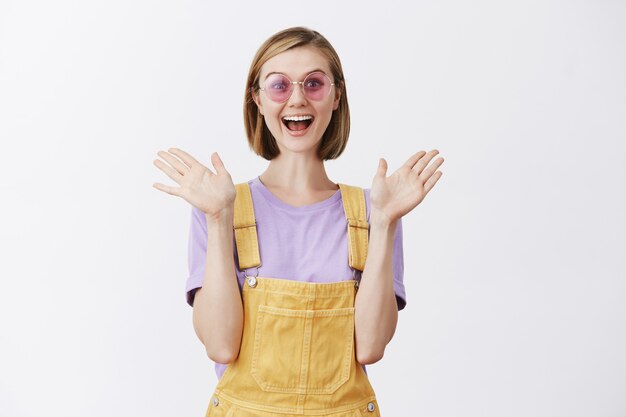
x=297, y=135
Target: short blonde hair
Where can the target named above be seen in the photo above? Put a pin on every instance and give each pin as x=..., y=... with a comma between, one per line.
x=260, y=139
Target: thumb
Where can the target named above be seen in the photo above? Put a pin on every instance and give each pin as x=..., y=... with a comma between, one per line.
x=382, y=167
x=217, y=163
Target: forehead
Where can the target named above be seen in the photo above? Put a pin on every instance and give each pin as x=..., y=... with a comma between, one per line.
x=296, y=63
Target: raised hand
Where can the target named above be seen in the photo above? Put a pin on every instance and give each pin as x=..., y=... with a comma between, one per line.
x=199, y=186
x=398, y=194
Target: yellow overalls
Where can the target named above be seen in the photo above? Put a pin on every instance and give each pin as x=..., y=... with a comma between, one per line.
x=297, y=350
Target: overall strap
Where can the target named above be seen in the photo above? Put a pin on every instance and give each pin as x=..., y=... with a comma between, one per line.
x=358, y=228
x=245, y=228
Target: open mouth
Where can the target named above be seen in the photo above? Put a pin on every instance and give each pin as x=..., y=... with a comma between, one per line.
x=297, y=123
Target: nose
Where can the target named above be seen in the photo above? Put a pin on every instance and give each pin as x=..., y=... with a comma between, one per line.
x=297, y=98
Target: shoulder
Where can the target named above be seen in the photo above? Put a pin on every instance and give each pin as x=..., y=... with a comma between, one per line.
x=366, y=193
x=366, y=196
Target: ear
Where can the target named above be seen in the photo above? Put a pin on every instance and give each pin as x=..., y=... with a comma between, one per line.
x=257, y=100
x=337, y=97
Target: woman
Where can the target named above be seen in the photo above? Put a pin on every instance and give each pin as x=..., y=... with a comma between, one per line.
x=289, y=323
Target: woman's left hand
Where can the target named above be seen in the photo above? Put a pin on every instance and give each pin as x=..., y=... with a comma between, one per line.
x=396, y=195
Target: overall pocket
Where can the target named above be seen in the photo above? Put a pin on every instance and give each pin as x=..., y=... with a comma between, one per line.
x=303, y=351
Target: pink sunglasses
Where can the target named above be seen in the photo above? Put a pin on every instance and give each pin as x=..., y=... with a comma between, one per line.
x=316, y=86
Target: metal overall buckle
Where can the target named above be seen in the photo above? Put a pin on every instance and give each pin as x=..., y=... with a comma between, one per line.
x=356, y=281
x=252, y=280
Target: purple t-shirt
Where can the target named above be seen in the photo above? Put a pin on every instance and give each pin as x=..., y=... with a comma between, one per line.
x=307, y=243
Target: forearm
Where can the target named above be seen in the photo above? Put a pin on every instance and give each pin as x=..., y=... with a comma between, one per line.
x=217, y=307
x=376, y=310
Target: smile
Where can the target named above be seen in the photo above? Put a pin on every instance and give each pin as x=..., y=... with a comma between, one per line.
x=298, y=124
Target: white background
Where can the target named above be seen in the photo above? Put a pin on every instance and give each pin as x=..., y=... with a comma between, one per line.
x=515, y=268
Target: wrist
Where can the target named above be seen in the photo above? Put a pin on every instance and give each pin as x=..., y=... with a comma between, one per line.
x=223, y=217
x=380, y=220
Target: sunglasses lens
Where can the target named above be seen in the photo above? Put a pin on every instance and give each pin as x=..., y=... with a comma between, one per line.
x=316, y=86
x=278, y=87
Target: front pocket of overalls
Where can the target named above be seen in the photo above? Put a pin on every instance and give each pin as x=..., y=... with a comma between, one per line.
x=303, y=351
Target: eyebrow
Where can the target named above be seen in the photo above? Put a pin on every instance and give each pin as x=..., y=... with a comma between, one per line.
x=310, y=72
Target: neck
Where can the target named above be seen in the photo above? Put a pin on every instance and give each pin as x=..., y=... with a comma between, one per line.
x=297, y=174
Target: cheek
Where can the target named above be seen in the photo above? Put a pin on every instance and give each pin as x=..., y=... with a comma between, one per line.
x=327, y=112
x=272, y=117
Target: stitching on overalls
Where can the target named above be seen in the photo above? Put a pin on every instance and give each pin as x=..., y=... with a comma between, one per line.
x=320, y=367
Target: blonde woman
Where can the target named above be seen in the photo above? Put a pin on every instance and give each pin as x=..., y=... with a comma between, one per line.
x=295, y=280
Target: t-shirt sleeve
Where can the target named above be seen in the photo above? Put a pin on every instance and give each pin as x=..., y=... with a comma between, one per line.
x=397, y=267
x=196, y=255
x=397, y=260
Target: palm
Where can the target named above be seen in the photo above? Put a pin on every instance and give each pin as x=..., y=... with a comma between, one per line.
x=199, y=186
x=402, y=191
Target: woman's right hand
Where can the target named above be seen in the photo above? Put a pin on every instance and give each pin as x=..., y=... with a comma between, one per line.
x=199, y=186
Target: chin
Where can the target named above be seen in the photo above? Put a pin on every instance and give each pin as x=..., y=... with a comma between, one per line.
x=297, y=145
x=298, y=148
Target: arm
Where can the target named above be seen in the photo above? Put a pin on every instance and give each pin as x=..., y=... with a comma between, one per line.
x=376, y=314
x=375, y=307
x=217, y=307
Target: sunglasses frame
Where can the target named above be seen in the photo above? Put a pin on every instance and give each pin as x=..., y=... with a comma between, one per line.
x=301, y=83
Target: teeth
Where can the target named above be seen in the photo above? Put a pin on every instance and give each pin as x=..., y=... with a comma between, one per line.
x=297, y=118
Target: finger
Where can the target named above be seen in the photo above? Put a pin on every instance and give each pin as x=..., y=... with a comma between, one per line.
x=175, y=162
x=419, y=166
x=171, y=172
x=188, y=159
x=382, y=168
x=166, y=188
x=217, y=163
x=428, y=172
x=414, y=158
x=432, y=181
